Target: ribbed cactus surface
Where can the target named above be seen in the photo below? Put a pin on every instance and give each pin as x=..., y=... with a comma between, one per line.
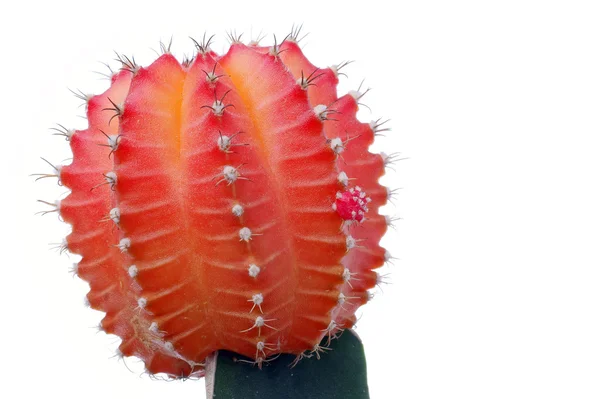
x=225, y=202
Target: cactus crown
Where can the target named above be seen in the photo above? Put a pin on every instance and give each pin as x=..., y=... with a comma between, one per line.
x=224, y=202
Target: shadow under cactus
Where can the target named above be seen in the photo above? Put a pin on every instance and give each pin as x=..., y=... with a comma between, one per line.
x=340, y=373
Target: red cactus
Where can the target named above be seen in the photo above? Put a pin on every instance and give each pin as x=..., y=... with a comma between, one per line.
x=227, y=202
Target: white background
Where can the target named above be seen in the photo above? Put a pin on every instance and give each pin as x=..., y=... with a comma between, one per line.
x=496, y=289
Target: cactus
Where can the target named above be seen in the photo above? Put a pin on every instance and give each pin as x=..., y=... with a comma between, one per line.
x=224, y=202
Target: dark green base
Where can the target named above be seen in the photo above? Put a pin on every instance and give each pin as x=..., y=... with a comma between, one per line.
x=341, y=373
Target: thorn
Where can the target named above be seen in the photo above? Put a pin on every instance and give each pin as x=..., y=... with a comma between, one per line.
x=166, y=49
x=117, y=109
x=357, y=94
x=343, y=299
x=392, y=194
x=246, y=234
x=108, y=76
x=391, y=159
x=299, y=358
x=187, y=61
x=306, y=82
x=57, y=169
x=348, y=276
x=330, y=330
x=275, y=50
x=74, y=269
x=388, y=258
x=82, y=96
x=226, y=142
x=322, y=112
x=377, y=127
x=253, y=270
x=338, y=146
x=61, y=247
x=234, y=38
x=142, y=302
x=212, y=77
x=294, y=35
x=317, y=350
x=382, y=279
x=391, y=220
x=154, y=329
x=204, y=46
x=112, y=142
x=336, y=68
x=127, y=64
x=63, y=131
x=132, y=271
x=124, y=244
x=259, y=323
x=218, y=107
x=259, y=38
x=55, y=205
x=237, y=210
x=257, y=300
x=230, y=175
x=261, y=346
x=110, y=178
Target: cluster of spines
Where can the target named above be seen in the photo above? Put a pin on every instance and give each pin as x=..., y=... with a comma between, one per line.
x=114, y=274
